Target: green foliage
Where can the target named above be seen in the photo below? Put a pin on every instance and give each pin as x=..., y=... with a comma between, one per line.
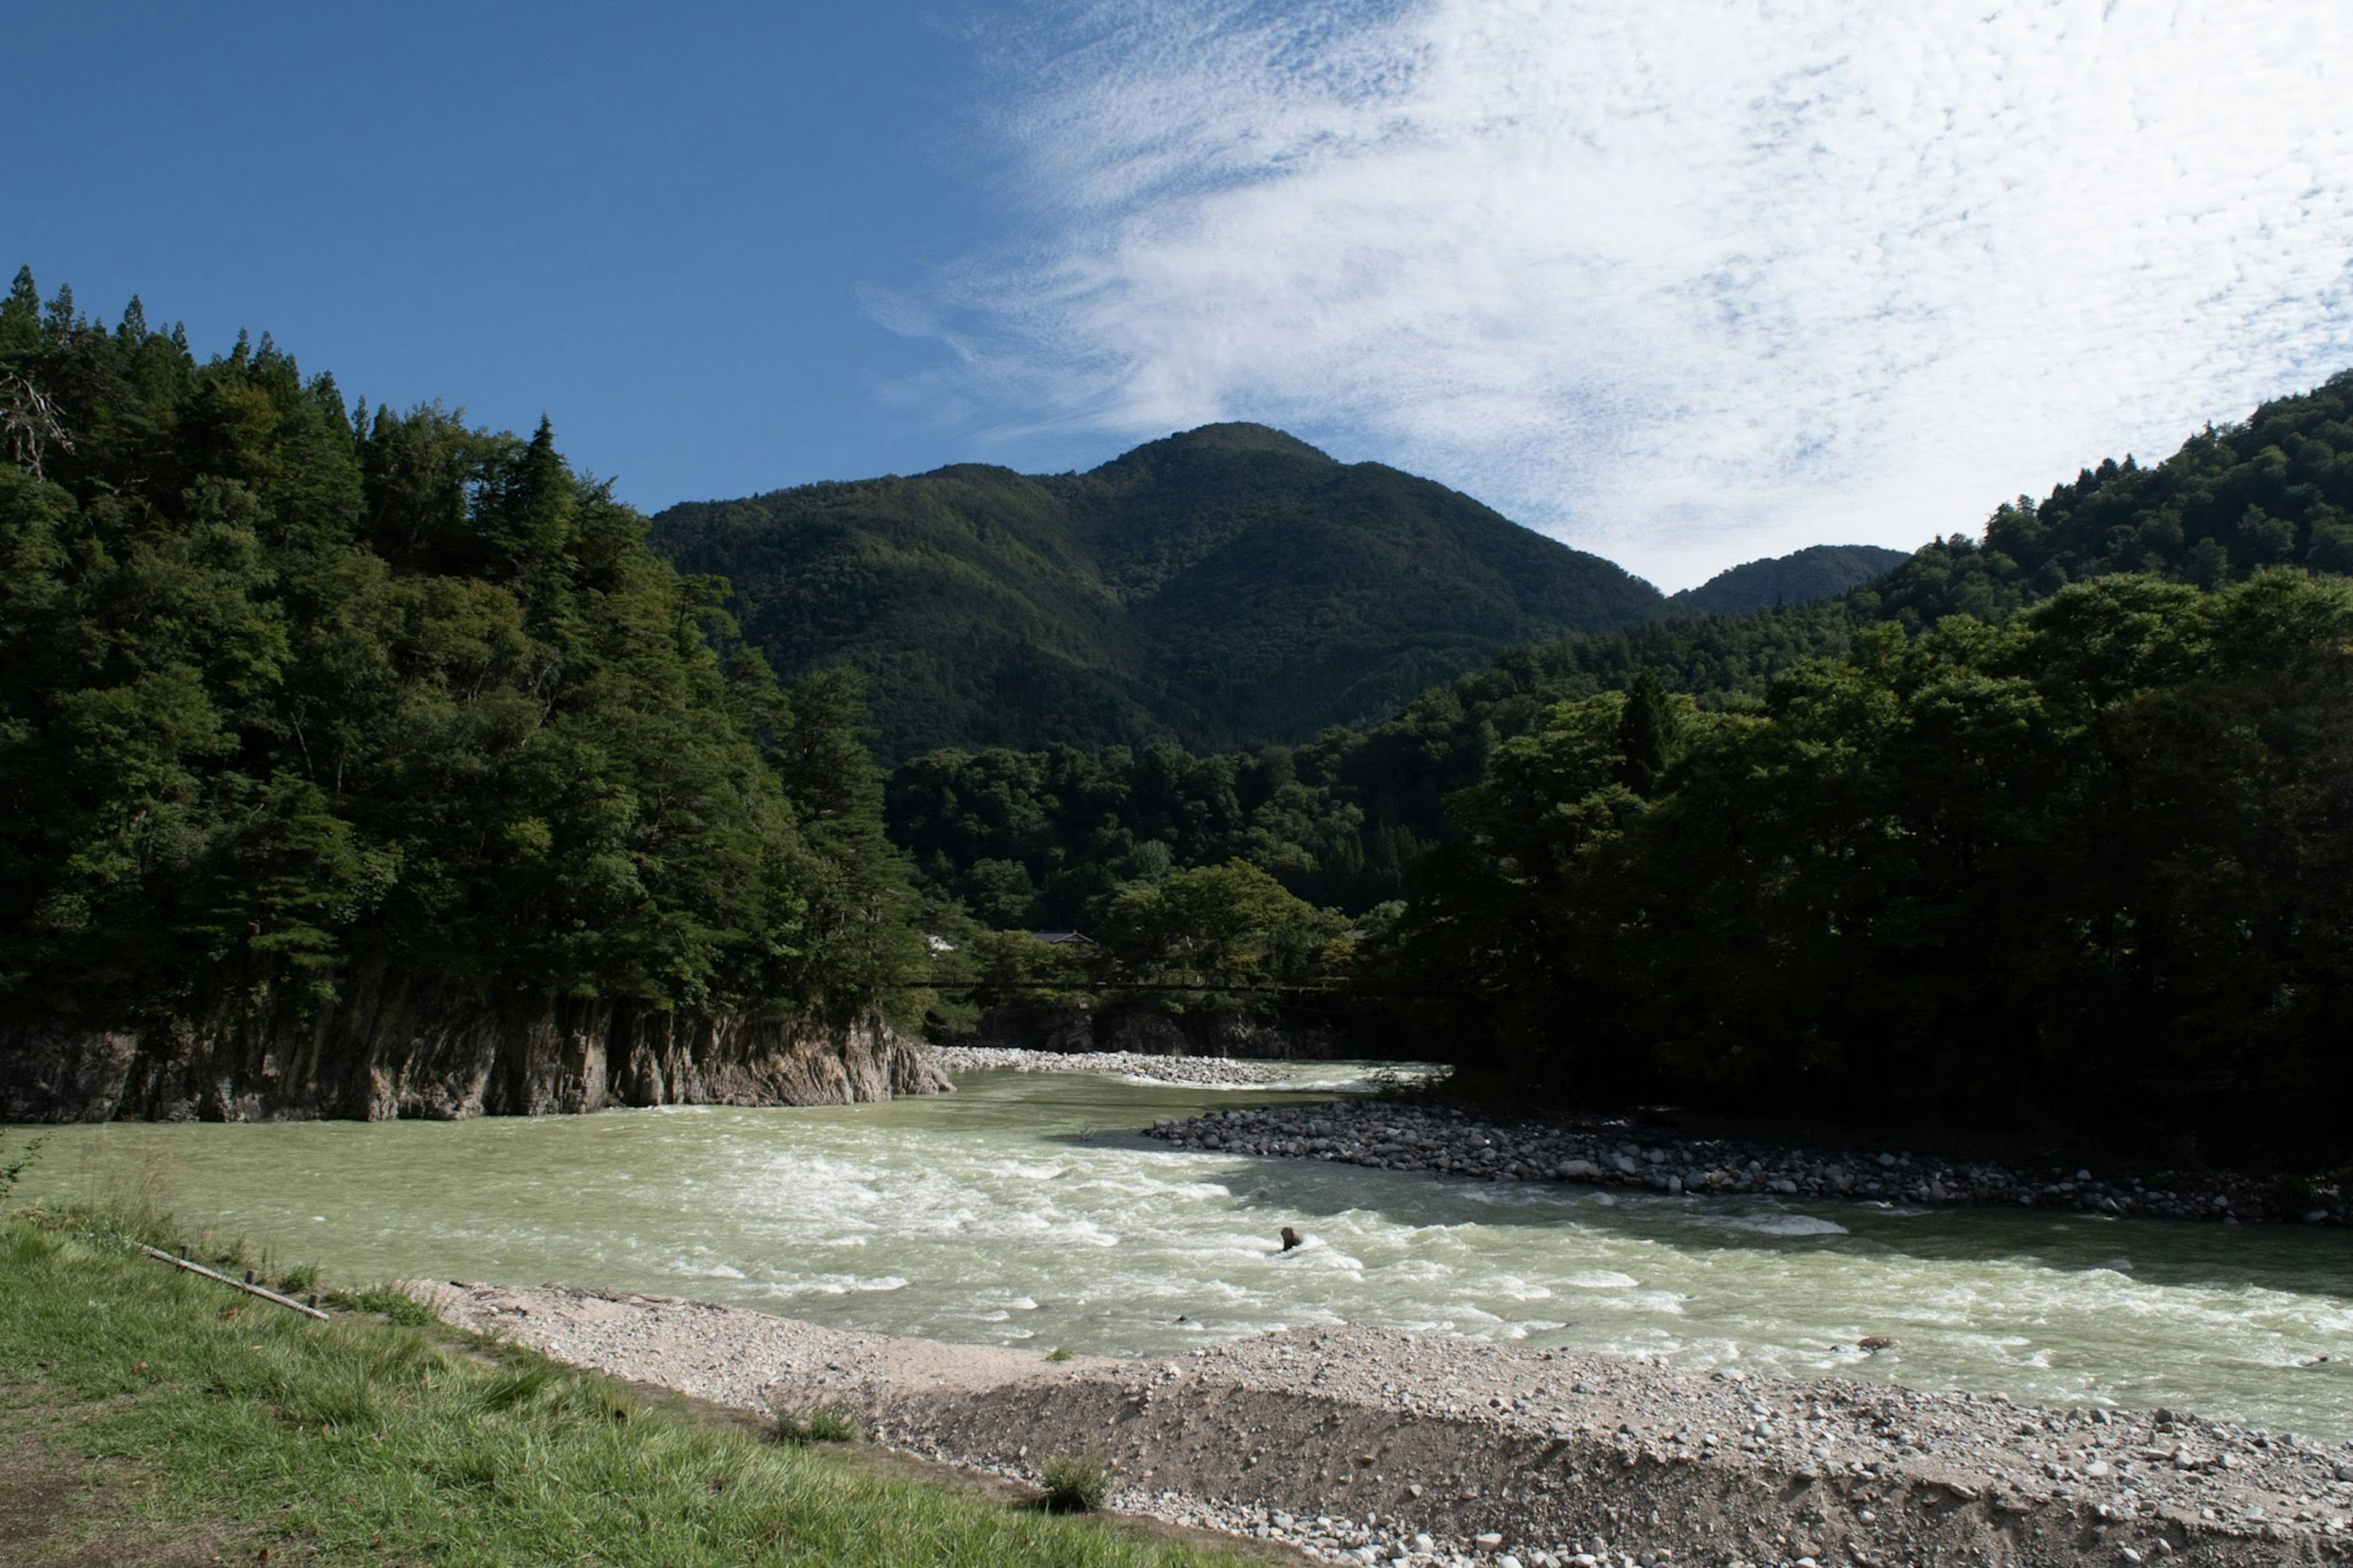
x=1229, y=586
x=1230, y=929
x=817, y=1423
x=1044, y=839
x=396, y=1306
x=2086, y=870
x=290, y=694
x=1077, y=1483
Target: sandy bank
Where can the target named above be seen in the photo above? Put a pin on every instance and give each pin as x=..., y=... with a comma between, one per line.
x=1365, y=1444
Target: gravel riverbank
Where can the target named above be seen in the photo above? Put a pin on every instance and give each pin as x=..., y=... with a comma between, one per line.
x=1624, y=1154
x=1369, y=1445
x=1214, y=1072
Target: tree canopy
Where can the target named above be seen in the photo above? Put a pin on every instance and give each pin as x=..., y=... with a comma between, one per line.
x=289, y=689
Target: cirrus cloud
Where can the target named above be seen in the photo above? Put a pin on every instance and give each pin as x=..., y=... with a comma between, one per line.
x=1681, y=281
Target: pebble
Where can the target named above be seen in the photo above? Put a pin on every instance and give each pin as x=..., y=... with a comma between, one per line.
x=1610, y=1152
x=1216, y=1072
x=1857, y=1446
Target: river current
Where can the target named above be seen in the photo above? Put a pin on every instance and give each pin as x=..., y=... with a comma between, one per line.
x=1025, y=1210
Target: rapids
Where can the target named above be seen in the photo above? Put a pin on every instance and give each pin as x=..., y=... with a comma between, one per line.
x=1025, y=1210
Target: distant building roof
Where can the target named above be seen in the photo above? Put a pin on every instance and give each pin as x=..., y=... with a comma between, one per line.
x=1064, y=938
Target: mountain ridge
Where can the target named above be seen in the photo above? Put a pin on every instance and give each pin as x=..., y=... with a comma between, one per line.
x=1226, y=586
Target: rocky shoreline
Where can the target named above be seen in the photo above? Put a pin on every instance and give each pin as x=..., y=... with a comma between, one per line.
x=1369, y=1445
x=1620, y=1153
x=1214, y=1072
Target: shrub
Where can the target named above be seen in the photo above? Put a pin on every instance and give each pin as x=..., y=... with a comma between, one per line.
x=1077, y=1483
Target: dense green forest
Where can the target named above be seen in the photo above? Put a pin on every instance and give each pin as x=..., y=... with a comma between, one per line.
x=2092, y=869
x=1224, y=588
x=1817, y=572
x=291, y=691
x=1339, y=818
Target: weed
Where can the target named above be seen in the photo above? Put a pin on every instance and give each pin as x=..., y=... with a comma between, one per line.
x=399, y=1306
x=817, y=1423
x=1058, y=1353
x=1077, y=1483
x=26, y=1157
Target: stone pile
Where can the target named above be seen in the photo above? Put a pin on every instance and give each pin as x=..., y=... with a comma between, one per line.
x=1618, y=1153
x=1370, y=1446
x=1216, y=1072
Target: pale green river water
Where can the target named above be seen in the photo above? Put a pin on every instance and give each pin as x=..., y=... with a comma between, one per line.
x=1025, y=1210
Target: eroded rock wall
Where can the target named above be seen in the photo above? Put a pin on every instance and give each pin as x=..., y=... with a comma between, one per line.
x=389, y=1048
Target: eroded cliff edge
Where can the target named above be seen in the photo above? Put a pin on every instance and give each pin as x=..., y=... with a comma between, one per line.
x=386, y=1049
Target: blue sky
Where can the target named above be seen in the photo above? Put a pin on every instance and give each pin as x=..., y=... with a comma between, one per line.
x=1679, y=281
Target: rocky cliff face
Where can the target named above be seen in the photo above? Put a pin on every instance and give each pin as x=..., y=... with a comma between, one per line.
x=389, y=1049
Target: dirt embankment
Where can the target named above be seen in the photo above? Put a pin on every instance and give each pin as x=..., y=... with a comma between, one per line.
x=1364, y=1445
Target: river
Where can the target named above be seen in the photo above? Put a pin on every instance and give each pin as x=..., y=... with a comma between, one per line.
x=1025, y=1210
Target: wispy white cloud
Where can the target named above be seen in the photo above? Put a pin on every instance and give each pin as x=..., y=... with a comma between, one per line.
x=1682, y=282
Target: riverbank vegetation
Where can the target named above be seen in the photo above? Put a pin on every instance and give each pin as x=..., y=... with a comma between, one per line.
x=292, y=692
x=2089, y=870
x=150, y=1412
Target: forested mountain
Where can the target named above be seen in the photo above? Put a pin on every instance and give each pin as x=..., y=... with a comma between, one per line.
x=306, y=711
x=2046, y=832
x=1817, y=572
x=1340, y=819
x=1224, y=587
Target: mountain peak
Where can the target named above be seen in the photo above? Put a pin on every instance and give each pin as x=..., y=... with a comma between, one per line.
x=1237, y=436
x=1816, y=572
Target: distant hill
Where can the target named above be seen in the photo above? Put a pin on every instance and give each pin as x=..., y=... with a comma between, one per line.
x=1228, y=586
x=1815, y=573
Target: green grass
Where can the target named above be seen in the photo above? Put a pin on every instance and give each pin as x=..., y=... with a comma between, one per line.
x=823, y=1424
x=223, y=1418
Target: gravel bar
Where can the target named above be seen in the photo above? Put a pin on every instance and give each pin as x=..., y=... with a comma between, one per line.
x=1620, y=1153
x=1372, y=1445
x=1214, y=1072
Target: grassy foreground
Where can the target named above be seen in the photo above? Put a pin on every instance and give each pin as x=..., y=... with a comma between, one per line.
x=182, y=1421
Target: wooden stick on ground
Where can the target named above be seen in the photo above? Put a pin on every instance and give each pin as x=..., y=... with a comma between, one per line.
x=263, y=1291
